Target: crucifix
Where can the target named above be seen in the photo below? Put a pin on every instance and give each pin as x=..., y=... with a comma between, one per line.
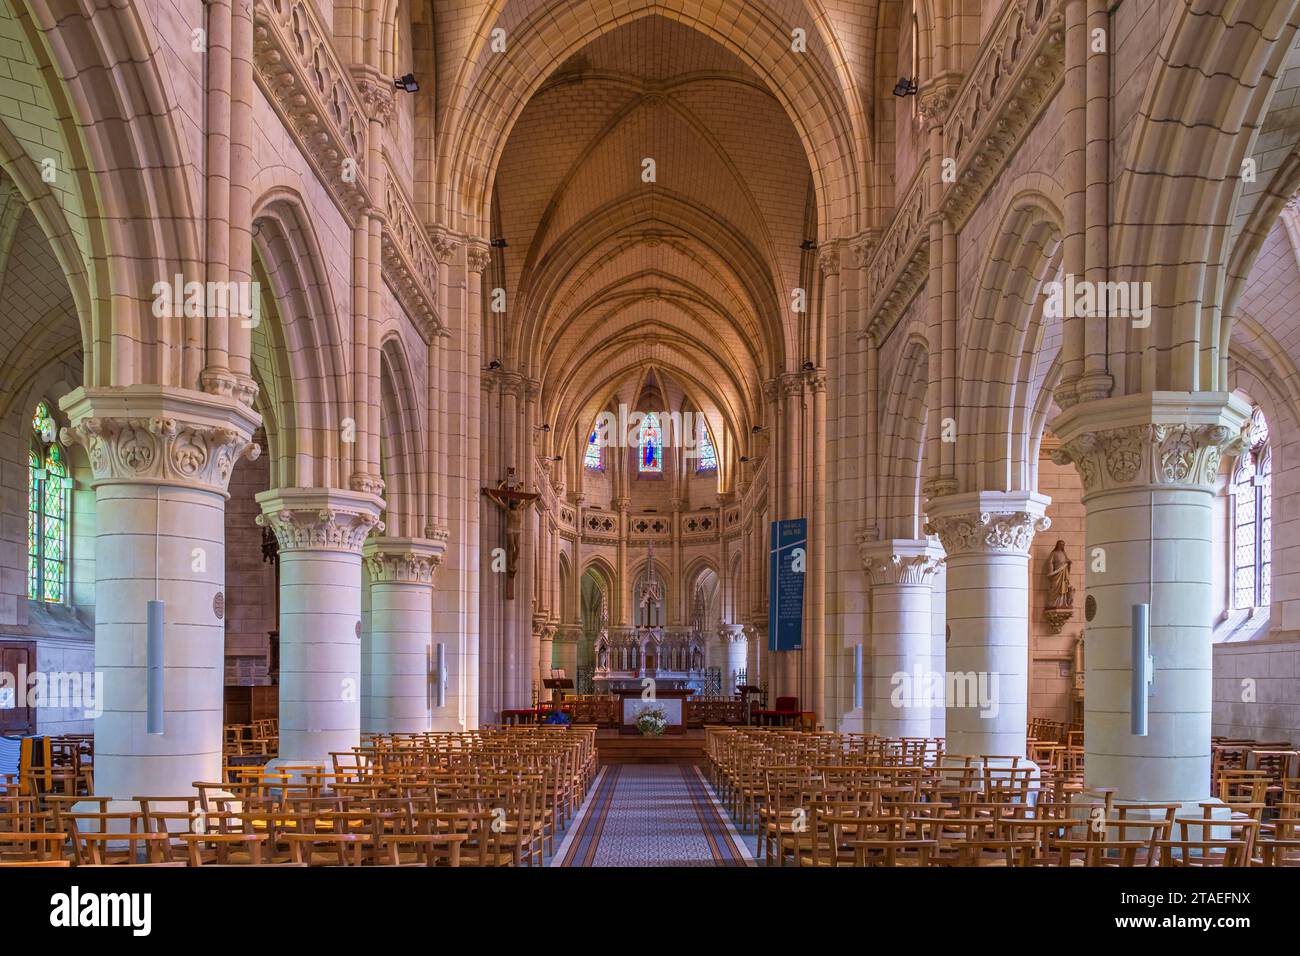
x=514, y=502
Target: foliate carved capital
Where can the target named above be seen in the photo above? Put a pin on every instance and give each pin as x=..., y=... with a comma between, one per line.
x=308, y=519
x=445, y=244
x=403, y=560
x=772, y=389
x=732, y=634
x=898, y=562
x=864, y=250
x=987, y=531
x=936, y=99
x=816, y=379
x=378, y=95
x=478, y=256
x=828, y=260
x=792, y=384
x=1151, y=454
x=367, y=484
x=160, y=436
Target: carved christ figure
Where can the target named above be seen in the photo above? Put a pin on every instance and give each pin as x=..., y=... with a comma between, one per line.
x=515, y=503
x=1060, y=593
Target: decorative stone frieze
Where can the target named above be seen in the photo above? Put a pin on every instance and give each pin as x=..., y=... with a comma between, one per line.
x=304, y=80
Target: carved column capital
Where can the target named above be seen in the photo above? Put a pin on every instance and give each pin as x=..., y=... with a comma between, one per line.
x=478, y=255
x=378, y=95
x=445, y=244
x=828, y=260
x=156, y=435
x=1158, y=440
x=792, y=384
x=732, y=634
x=403, y=560
x=899, y=561
x=987, y=521
x=937, y=98
x=319, y=519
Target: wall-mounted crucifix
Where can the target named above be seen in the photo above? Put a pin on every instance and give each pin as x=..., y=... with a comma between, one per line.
x=514, y=502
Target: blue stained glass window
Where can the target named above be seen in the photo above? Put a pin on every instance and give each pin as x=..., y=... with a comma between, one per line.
x=650, y=452
x=595, y=458
x=47, y=511
x=707, y=458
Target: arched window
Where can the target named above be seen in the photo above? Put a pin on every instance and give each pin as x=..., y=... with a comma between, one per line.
x=47, y=510
x=707, y=459
x=595, y=457
x=650, y=451
x=1252, y=542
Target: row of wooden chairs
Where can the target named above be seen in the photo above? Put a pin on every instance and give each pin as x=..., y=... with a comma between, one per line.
x=260, y=737
x=969, y=810
x=491, y=798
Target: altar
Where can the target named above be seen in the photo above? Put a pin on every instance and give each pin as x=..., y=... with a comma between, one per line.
x=668, y=696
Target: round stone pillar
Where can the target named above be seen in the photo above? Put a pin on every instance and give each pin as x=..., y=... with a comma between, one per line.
x=399, y=661
x=566, y=650
x=735, y=648
x=756, y=635
x=161, y=460
x=903, y=681
x=320, y=532
x=1148, y=464
x=546, y=654
x=986, y=537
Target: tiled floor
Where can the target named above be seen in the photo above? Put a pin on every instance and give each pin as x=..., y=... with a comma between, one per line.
x=651, y=815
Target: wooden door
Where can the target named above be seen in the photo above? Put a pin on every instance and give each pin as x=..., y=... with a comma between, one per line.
x=17, y=661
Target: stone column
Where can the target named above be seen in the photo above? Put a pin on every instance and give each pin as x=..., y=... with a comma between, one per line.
x=566, y=650
x=398, y=659
x=986, y=536
x=1148, y=464
x=320, y=532
x=756, y=635
x=546, y=654
x=901, y=574
x=735, y=647
x=161, y=460
x=622, y=610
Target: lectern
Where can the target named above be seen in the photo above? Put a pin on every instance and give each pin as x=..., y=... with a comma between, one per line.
x=557, y=686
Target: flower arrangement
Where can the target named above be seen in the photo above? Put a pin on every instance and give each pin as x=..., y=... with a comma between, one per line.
x=652, y=721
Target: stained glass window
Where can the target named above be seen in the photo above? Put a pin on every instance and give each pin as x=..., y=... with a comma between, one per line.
x=47, y=511
x=1252, y=531
x=595, y=458
x=650, y=451
x=707, y=458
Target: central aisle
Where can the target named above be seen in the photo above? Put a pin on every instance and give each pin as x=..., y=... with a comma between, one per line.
x=651, y=815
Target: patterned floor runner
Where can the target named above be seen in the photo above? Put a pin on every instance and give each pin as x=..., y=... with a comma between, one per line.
x=651, y=815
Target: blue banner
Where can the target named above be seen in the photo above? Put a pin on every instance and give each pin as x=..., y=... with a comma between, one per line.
x=787, y=560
